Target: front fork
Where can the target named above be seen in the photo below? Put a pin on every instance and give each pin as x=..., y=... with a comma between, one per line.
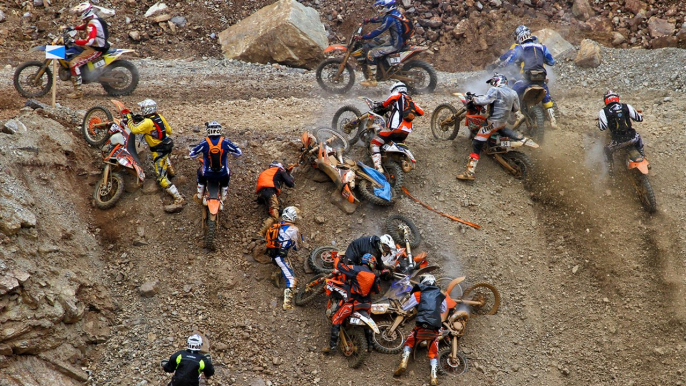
x=42, y=70
x=105, y=176
x=504, y=163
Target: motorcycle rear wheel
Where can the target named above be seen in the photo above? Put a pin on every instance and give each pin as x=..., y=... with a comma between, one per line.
x=423, y=74
x=645, y=192
x=210, y=230
x=327, y=70
x=320, y=260
x=23, y=83
x=112, y=192
x=483, y=292
x=395, y=176
x=537, y=115
x=440, y=114
x=388, y=343
x=96, y=136
x=520, y=162
x=304, y=297
x=356, y=352
x=342, y=117
x=448, y=365
x=127, y=77
x=392, y=223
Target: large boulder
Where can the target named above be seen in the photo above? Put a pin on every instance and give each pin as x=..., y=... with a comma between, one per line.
x=589, y=54
x=582, y=10
x=556, y=44
x=286, y=32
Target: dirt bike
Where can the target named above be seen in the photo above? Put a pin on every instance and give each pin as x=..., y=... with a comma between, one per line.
x=118, y=152
x=445, y=124
x=211, y=202
x=638, y=168
x=531, y=106
x=117, y=76
x=336, y=75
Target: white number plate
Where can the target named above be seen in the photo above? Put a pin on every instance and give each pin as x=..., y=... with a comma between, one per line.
x=99, y=64
x=505, y=143
x=355, y=321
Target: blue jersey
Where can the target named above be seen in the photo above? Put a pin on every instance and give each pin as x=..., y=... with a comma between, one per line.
x=390, y=23
x=204, y=148
x=289, y=236
x=532, y=54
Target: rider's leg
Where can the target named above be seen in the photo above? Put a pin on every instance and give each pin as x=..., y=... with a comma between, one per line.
x=202, y=181
x=375, y=146
x=79, y=60
x=370, y=75
x=224, y=183
x=160, y=168
x=548, y=105
x=478, y=144
x=608, y=150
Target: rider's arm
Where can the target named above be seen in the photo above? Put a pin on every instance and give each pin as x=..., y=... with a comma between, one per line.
x=515, y=105
x=391, y=99
x=167, y=128
x=233, y=149
x=171, y=364
x=515, y=56
x=444, y=306
x=90, y=38
x=412, y=302
x=634, y=115
x=198, y=149
x=209, y=368
x=286, y=178
x=547, y=56
x=487, y=99
x=81, y=27
x=386, y=24
x=143, y=127
x=290, y=237
x=419, y=110
x=602, y=120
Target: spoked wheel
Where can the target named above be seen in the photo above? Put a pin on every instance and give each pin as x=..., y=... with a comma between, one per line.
x=445, y=122
x=343, y=123
x=423, y=75
x=26, y=83
x=307, y=293
x=386, y=341
x=520, y=163
x=122, y=78
x=210, y=231
x=449, y=365
x=334, y=139
x=94, y=127
x=107, y=195
x=645, y=192
x=355, y=347
x=537, y=115
x=321, y=259
x=393, y=223
x=330, y=81
x=366, y=190
x=486, y=295
x=443, y=283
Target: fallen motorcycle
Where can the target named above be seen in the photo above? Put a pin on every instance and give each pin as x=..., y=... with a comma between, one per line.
x=116, y=75
x=337, y=75
x=118, y=153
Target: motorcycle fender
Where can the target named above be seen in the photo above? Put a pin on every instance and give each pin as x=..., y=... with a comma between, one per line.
x=139, y=172
x=641, y=166
x=367, y=321
x=335, y=47
x=213, y=206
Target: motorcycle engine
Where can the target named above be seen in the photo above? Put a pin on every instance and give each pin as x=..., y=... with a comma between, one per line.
x=64, y=74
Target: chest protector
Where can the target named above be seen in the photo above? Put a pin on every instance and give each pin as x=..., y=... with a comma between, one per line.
x=160, y=131
x=272, y=235
x=215, y=155
x=429, y=309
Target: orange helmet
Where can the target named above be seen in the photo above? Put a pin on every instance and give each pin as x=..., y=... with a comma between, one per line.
x=610, y=96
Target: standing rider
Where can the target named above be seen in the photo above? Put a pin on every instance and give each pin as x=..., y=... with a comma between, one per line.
x=361, y=282
x=399, y=125
x=94, y=45
x=390, y=19
x=531, y=55
x=617, y=117
x=158, y=136
x=215, y=150
x=187, y=365
x=505, y=102
x=269, y=189
x=285, y=236
x=430, y=303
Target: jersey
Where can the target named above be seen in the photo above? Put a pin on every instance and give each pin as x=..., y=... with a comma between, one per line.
x=391, y=23
x=97, y=34
x=222, y=147
x=617, y=118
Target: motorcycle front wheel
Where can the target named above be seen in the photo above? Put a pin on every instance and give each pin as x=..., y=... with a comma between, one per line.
x=305, y=295
x=445, y=123
x=355, y=351
x=210, y=230
x=388, y=342
x=423, y=75
x=94, y=134
x=106, y=196
x=25, y=81
x=449, y=365
x=321, y=259
x=122, y=78
x=486, y=294
x=392, y=227
x=645, y=192
x=341, y=122
x=328, y=80
x=335, y=139
x=520, y=163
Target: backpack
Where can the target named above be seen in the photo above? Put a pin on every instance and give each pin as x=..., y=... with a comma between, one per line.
x=409, y=110
x=106, y=32
x=407, y=31
x=215, y=155
x=272, y=235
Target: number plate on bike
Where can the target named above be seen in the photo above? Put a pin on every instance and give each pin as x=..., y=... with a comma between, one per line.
x=356, y=321
x=505, y=144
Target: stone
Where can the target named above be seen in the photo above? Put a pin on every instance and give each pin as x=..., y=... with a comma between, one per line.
x=149, y=289
x=599, y=24
x=135, y=36
x=556, y=44
x=659, y=27
x=179, y=21
x=407, y=3
x=162, y=18
x=104, y=12
x=582, y=10
x=618, y=38
x=7, y=284
x=5, y=349
x=96, y=328
x=588, y=55
x=13, y=126
x=155, y=8
x=634, y=6
x=681, y=36
x=2, y=16
x=73, y=309
x=285, y=32
x=461, y=28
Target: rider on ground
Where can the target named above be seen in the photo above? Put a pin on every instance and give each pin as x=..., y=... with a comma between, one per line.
x=430, y=303
x=187, y=365
x=399, y=125
x=94, y=45
x=287, y=236
x=382, y=248
x=268, y=190
x=390, y=19
x=505, y=102
x=215, y=150
x=617, y=117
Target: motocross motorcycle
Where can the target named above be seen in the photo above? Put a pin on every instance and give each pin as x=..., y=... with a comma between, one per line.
x=501, y=146
x=638, y=168
x=211, y=202
x=336, y=75
x=116, y=75
x=118, y=153
x=531, y=106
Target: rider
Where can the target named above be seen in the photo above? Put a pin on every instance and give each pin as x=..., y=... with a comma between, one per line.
x=269, y=188
x=361, y=282
x=390, y=19
x=505, y=101
x=215, y=149
x=94, y=45
x=430, y=303
x=531, y=55
x=158, y=136
x=617, y=117
x=511, y=71
x=188, y=364
x=377, y=246
x=286, y=236
x=399, y=125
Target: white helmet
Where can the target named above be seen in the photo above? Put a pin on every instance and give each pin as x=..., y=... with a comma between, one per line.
x=399, y=87
x=85, y=9
x=290, y=214
x=385, y=6
x=428, y=280
x=387, y=240
x=213, y=128
x=276, y=164
x=194, y=342
x=148, y=107
x=524, y=35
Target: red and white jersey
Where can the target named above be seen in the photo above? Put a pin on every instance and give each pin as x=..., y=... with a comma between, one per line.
x=95, y=34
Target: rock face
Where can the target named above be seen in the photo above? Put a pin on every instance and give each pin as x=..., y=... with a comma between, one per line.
x=286, y=32
x=556, y=44
x=582, y=10
x=589, y=54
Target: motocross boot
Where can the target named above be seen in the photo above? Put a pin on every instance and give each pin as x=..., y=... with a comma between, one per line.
x=520, y=118
x=171, y=172
x=333, y=342
x=225, y=192
x=370, y=339
x=403, y=362
x=376, y=159
x=178, y=203
x=78, y=93
x=434, y=372
x=201, y=191
x=288, y=299
x=471, y=169
x=551, y=115
x=370, y=77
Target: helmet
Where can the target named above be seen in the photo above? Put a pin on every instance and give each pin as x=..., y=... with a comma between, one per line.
x=523, y=35
x=497, y=80
x=85, y=9
x=194, y=342
x=519, y=30
x=610, y=96
x=399, y=87
x=427, y=280
x=276, y=164
x=213, y=128
x=369, y=260
x=148, y=107
x=387, y=240
x=385, y=6
x=290, y=214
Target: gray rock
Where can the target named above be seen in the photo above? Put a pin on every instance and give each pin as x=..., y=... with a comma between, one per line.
x=149, y=289
x=2, y=16
x=7, y=284
x=582, y=10
x=588, y=55
x=179, y=21
x=617, y=38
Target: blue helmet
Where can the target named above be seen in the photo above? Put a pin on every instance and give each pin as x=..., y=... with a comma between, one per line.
x=385, y=6
x=369, y=260
x=519, y=30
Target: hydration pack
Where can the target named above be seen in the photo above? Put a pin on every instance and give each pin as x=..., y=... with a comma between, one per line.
x=618, y=118
x=407, y=30
x=215, y=155
x=272, y=235
x=408, y=110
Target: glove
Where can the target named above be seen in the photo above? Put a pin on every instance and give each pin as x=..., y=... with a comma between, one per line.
x=366, y=21
x=70, y=28
x=125, y=112
x=386, y=274
x=357, y=37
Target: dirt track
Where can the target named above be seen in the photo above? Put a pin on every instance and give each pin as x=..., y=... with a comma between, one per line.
x=593, y=287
